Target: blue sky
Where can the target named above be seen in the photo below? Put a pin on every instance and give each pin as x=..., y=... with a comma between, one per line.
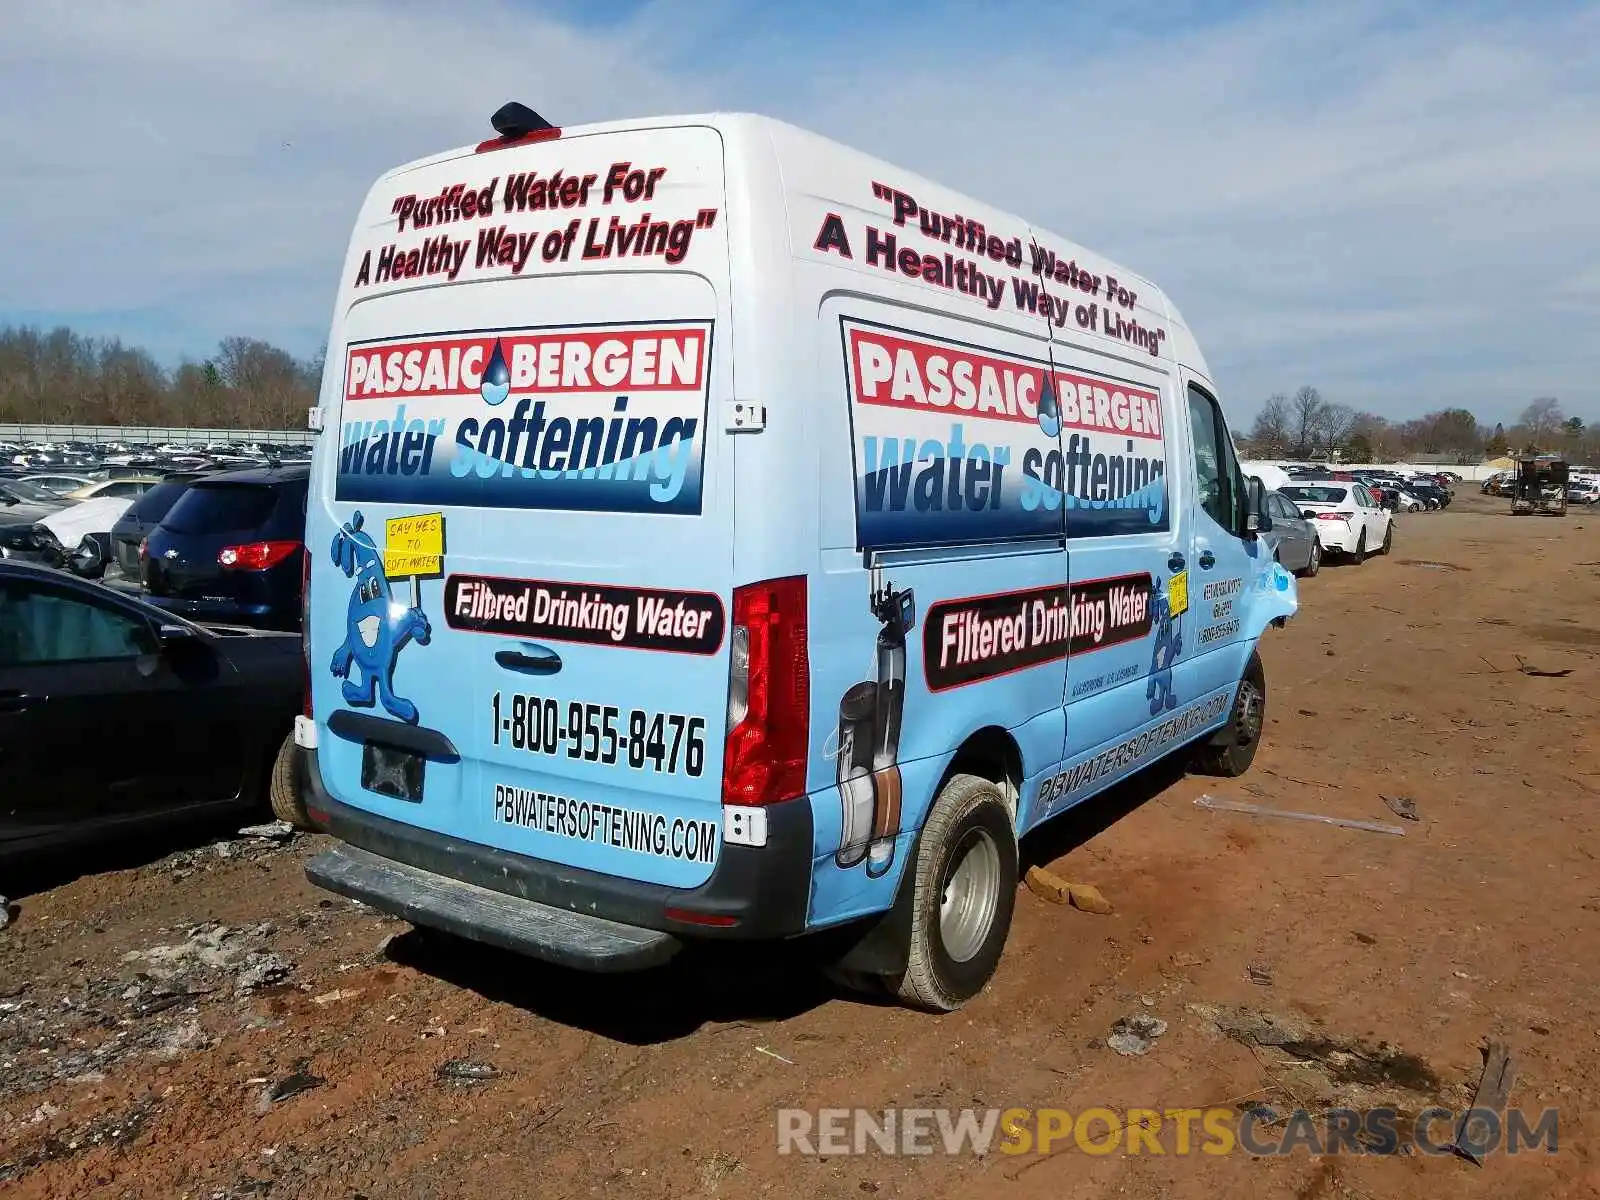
x=1392, y=201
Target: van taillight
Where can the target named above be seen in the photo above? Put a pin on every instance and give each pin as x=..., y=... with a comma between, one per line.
x=769, y=694
x=305, y=624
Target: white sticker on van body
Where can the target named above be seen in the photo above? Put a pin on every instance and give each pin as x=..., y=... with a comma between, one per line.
x=595, y=419
x=957, y=444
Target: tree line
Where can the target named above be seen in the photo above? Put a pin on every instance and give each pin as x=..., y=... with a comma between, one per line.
x=1305, y=425
x=60, y=377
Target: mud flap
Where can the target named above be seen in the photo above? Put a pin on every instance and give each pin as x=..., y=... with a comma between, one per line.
x=881, y=944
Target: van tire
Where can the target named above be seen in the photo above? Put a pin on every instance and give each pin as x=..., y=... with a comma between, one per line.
x=283, y=786
x=968, y=831
x=1232, y=755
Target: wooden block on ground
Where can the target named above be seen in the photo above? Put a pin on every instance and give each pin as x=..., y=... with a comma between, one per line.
x=1087, y=898
x=1047, y=885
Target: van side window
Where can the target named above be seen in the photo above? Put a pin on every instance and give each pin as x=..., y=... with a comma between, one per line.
x=1213, y=480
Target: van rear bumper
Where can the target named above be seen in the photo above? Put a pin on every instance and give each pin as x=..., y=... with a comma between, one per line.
x=568, y=938
x=753, y=893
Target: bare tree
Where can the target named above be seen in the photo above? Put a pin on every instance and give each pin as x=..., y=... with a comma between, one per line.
x=1333, y=425
x=1379, y=440
x=1541, y=420
x=62, y=377
x=1270, y=433
x=1305, y=410
x=1447, y=431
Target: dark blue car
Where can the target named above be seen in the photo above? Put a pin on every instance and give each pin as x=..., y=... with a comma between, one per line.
x=231, y=550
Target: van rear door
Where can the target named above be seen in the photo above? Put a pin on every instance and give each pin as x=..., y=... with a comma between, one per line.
x=526, y=533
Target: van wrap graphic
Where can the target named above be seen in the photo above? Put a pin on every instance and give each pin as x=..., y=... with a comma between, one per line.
x=867, y=755
x=591, y=614
x=377, y=626
x=593, y=419
x=637, y=831
x=1135, y=750
x=1164, y=651
x=984, y=637
x=959, y=444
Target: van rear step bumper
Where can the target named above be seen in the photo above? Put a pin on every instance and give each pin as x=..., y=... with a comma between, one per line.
x=569, y=939
x=752, y=893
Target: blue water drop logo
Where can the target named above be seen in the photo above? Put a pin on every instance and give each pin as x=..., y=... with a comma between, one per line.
x=1049, y=410
x=496, y=384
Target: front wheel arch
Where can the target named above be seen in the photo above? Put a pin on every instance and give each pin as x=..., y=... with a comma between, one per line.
x=1229, y=752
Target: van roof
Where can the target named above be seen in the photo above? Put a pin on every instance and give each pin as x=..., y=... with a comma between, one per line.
x=785, y=130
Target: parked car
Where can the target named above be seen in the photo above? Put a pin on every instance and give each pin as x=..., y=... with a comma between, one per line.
x=143, y=516
x=128, y=488
x=115, y=714
x=1436, y=496
x=87, y=523
x=1583, y=491
x=232, y=549
x=1348, y=517
x=1396, y=494
x=22, y=507
x=60, y=485
x=1293, y=537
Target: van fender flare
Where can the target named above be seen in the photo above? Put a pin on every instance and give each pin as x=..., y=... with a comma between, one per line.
x=880, y=945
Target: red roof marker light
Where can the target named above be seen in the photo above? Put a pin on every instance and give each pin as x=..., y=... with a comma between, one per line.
x=518, y=125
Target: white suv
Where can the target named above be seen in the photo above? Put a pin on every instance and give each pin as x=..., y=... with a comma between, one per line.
x=1348, y=518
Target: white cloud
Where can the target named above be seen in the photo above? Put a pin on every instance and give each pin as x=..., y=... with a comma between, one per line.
x=1393, y=204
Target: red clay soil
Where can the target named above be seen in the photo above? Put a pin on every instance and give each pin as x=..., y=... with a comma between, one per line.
x=147, y=1013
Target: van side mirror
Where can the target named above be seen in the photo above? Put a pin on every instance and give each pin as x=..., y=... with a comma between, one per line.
x=1257, y=519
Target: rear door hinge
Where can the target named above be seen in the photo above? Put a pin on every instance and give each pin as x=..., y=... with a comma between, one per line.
x=743, y=416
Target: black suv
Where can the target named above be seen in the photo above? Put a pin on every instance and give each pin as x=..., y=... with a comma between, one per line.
x=142, y=517
x=232, y=550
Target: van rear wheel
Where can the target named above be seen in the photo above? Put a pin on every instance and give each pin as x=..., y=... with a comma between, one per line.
x=1230, y=753
x=964, y=888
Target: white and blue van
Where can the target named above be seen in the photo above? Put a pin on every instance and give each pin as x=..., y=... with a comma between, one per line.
x=718, y=533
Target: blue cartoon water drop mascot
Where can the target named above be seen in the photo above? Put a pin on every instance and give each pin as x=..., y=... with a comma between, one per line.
x=377, y=628
x=1168, y=644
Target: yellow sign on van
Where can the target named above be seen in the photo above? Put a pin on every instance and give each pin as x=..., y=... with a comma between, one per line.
x=1177, y=593
x=414, y=545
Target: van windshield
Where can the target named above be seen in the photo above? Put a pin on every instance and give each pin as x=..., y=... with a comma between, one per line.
x=1316, y=495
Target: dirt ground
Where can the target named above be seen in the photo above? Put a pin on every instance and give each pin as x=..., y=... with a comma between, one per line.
x=206, y=1024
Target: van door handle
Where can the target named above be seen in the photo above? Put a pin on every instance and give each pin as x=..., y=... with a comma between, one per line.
x=539, y=660
x=1207, y=560
x=1175, y=563
x=13, y=701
